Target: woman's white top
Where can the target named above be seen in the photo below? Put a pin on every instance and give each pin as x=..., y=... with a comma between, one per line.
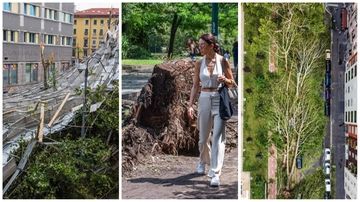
x=206, y=80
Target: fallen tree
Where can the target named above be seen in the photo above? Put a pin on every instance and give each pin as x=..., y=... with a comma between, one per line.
x=158, y=123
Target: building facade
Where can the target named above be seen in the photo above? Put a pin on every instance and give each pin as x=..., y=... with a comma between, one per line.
x=90, y=28
x=350, y=169
x=25, y=26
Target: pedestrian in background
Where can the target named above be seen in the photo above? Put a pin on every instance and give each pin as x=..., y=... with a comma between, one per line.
x=191, y=46
x=227, y=55
x=235, y=57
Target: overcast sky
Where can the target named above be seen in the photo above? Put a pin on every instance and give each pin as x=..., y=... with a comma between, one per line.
x=83, y=6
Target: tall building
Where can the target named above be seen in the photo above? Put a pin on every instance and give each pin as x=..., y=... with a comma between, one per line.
x=90, y=28
x=350, y=169
x=25, y=26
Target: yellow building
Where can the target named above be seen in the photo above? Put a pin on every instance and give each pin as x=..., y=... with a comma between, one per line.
x=90, y=28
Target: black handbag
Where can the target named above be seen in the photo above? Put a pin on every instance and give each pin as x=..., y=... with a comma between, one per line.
x=226, y=108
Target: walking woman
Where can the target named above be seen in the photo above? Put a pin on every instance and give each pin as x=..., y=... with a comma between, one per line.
x=209, y=72
x=191, y=45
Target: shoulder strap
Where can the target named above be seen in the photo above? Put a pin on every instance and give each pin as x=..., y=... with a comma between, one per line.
x=223, y=64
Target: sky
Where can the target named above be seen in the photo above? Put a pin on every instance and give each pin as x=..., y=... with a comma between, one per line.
x=83, y=6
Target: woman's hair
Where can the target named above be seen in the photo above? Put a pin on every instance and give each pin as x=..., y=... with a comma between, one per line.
x=210, y=39
x=191, y=41
x=235, y=44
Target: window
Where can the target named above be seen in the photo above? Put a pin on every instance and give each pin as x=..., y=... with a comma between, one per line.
x=48, y=14
x=354, y=116
x=351, y=116
x=85, y=42
x=94, y=42
x=55, y=14
x=75, y=22
x=32, y=10
x=31, y=72
x=63, y=41
x=69, y=18
x=12, y=36
x=7, y=6
x=68, y=41
x=352, y=73
x=4, y=35
x=95, y=22
x=73, y=52
x=101, y=32
x=9, y=74
x=355, y=70
x=50, y=39
x=74, y=31
x=52, y=70
x=94, y=31
x=86, y=32
x=86, y=22
x=31, y=38
x=346, y=77
x=85, y=52
x=74, y=42
x=101, y=22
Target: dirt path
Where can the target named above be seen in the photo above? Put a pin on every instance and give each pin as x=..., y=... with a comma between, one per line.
x=175, y=177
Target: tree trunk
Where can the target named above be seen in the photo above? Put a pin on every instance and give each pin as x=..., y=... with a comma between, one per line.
x=43, y=64
x=174, y=26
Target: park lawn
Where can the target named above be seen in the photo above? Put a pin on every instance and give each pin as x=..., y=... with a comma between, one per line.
x=256, y=167
x=141, y=62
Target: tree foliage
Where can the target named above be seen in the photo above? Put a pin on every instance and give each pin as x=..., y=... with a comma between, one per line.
x=150, y=26
x=74, y=167
x=295, y=36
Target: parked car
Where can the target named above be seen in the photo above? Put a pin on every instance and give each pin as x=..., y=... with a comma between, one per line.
x=327, y=155
x=327, y=195
x=328, y=65
x=327, y=93
x=327, y=54
x=327, y=108
x=299, y=162
x=327, y=168
x=327, y=185
x=327, y=79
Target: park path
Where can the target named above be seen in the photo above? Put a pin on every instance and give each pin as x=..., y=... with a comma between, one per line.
x=272, y=166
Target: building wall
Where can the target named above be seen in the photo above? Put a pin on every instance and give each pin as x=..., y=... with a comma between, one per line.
x=350, y=185
x=31, y=28
x=351, y=116
x=96, y=32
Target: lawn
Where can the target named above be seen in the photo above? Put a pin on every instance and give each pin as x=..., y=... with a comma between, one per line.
x=141, y=62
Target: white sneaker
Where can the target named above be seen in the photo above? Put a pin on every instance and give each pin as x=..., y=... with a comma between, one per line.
x=215, y=181
x=201, y=168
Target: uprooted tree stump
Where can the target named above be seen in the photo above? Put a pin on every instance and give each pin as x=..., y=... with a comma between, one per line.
x=158, y=123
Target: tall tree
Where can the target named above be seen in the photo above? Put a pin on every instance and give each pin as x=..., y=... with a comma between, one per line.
x=296, y=31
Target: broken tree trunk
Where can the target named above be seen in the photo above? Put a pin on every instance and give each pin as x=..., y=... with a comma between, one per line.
x=158, y=121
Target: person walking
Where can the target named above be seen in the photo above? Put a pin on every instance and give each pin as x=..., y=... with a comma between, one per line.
x=192, y=45
x=227, y=55
x=235, y=57
x=208, y=71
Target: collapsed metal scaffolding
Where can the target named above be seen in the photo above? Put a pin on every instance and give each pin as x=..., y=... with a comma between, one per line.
x=22, y=113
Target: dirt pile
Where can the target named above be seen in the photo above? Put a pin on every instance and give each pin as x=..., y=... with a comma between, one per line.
x=158, y=123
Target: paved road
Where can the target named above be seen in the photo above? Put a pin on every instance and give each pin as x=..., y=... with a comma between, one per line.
x=337, y=133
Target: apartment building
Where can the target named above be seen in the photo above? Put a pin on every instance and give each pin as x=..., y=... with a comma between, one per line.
x=90, y=28
x=25, y=26
x=350, y=169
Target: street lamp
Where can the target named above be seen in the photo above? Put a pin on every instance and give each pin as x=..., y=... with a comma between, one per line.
x=84, y=105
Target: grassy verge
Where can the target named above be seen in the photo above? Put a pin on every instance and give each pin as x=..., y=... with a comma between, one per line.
x=141, y=62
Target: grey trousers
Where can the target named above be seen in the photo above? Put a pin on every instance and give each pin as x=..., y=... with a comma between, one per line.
x=208, y=118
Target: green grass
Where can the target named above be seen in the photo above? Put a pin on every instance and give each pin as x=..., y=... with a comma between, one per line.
x=141, y=62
